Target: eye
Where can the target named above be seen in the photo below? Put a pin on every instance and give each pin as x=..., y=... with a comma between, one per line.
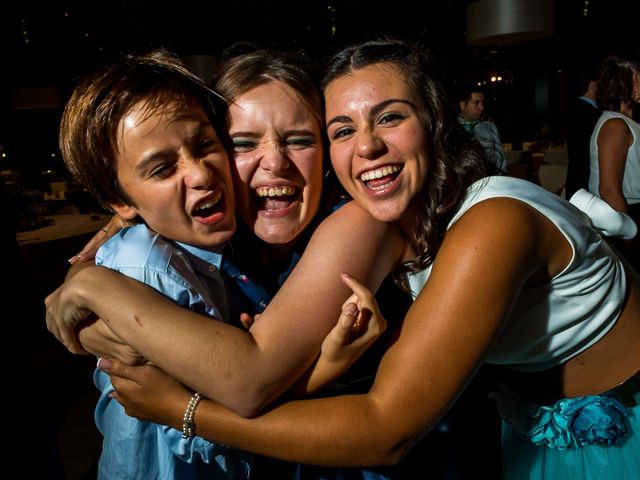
x=341, y=133
x=162, y=170
x=243, y=145
x=300, y=143
x=390, y=119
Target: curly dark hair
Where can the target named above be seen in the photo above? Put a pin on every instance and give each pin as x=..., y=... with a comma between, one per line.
x=615, y=82
x=457, y=160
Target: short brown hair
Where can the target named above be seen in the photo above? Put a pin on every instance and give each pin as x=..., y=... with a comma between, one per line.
x=89, y=127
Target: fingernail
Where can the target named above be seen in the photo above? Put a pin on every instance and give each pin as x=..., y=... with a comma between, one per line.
x=104, y=364
x=74, y=259
x=346, y=275
x=350, y=309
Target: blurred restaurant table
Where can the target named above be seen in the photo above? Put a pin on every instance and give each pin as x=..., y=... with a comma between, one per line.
x=45, y=250
x=64, y=226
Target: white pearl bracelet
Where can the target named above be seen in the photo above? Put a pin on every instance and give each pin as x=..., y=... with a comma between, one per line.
x=188, y=421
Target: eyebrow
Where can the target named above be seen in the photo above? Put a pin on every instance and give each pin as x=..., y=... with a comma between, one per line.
x=286, y=133
x=376, y=109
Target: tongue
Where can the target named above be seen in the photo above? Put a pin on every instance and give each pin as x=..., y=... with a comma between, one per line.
x=276, y=203
x=376, y=182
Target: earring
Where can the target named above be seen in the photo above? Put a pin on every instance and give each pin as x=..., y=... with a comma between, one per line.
x=636, y=95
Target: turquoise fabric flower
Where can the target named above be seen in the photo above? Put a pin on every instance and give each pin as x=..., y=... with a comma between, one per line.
x=598, y=419
x=570, y=423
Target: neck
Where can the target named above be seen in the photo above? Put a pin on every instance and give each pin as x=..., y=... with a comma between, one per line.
x=270, y=254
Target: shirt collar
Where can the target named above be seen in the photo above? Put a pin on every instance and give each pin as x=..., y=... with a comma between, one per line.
x=590, y=101
x=203, y=258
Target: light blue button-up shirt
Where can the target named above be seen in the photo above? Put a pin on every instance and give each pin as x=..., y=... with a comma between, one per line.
x=134, y=449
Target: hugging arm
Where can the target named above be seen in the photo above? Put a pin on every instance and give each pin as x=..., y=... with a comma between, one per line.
x=242, y=370
x=443, y=340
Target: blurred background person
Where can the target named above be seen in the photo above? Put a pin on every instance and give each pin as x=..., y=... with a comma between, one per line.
x=614, y=172
x=584, y=114
x=471, y=104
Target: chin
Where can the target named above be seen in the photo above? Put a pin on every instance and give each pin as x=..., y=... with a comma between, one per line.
x=277, y=236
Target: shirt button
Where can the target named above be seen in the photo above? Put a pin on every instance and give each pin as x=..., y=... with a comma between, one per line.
x=212, y=268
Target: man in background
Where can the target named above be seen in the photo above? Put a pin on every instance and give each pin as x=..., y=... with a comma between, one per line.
x=583, y=116
x=471, y=104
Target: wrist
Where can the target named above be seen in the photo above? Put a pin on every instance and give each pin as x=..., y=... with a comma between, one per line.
x=189, y=418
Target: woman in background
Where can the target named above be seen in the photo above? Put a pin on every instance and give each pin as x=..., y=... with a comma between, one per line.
x=615, y=145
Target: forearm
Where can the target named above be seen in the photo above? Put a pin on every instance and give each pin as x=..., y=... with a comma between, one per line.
x=341, y=431
x=320, y=374
x=202, y=353
x=98, y=339
x=614, y=197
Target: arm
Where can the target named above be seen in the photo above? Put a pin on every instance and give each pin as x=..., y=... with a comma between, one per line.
x=613, y=140
x=243, y=370
x=96, y=337
x=442, y=341
x=356, y=330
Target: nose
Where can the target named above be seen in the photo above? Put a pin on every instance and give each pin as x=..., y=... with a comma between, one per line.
x=274, y=158
x=368, y=144
x=198, y=174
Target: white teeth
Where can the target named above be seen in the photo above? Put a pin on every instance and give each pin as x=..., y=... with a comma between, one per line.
x=209, y=203
x=275, y=191
x=379, y=173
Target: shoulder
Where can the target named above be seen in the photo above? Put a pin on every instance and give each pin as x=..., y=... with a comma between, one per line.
x=498, y=214
x=136, y=246
x=614, y=128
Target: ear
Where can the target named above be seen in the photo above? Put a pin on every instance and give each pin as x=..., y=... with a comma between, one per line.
x=125, y=211
x=462, y=104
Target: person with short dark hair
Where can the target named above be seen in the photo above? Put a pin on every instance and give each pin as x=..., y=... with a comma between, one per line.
x=584, y=114
x=471, y=105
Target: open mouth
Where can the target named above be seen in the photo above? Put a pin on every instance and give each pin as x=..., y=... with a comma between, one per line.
x=380, y=178
x=209, y=206
x=276, y=197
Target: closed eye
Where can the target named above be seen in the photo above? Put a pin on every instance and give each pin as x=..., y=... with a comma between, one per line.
x=300, y=143
x=242, y=145
x=162, y=170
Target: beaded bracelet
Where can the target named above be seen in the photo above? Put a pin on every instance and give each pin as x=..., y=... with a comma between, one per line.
x=188, y=421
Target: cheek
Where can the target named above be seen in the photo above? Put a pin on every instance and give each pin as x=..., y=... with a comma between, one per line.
x=340, y=160
x=244, y=167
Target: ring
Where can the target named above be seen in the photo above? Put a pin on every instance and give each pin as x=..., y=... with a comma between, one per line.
x=104, y=229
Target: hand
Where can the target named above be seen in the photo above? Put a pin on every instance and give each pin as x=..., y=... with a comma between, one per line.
x=88, y=252
x=147, y=393
x=97, y=338
x=62, y=316
x=359, y=325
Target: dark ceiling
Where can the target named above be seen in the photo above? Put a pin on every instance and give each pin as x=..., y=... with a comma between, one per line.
x=52, y=43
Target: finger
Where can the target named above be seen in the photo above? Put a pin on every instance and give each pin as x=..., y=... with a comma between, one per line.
x=115, y=368
x=341, y=333
x=246, y=320
x=362, y=292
